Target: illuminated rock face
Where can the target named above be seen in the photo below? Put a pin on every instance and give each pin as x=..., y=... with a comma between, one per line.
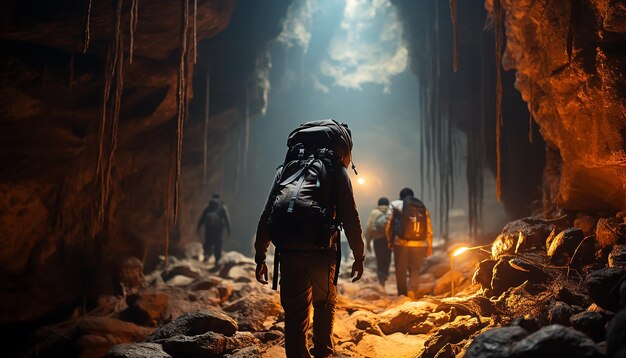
x=579, y=101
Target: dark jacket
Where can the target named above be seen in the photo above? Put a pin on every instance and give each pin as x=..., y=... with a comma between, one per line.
x=346, y=214
x=222, y=212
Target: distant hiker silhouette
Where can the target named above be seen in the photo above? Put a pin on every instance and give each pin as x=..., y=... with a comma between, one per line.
x=375, y=232
x=214, y=219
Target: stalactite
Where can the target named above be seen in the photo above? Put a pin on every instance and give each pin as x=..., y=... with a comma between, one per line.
x=195, y=31
x=87, y=27
x=109, y=120
x=498, y=17
x=134, y=14
x=207, y=102
x=453, y=15
x=169, y=204
x=181, y=104
x=113, y=76
x=573, y=23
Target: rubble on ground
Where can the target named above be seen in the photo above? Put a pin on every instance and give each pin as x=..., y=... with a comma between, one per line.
x=543, y=289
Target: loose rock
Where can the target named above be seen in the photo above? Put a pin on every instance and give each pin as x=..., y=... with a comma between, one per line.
x=616, y=336
x=138, y=350
x=600, y=285
x=196, y=323
x=591, y=323
x=555, y=341
x=495, y=343
x=252, y=310
x=617, y=257
x=564, y=245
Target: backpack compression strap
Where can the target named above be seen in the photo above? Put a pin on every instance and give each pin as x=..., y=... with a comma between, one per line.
x=276, y=271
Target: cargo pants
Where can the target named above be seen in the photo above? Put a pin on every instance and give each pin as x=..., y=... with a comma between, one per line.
x=306, y=279
x=408, y=260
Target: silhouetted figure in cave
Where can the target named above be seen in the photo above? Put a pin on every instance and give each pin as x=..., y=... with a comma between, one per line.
x=311, y=198
x=410, y=236
x=214, y=219
x=375, y=232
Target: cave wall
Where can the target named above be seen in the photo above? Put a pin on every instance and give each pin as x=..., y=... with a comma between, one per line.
x=570, y=67
x=51, y=96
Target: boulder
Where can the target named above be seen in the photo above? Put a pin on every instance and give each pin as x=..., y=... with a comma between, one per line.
x=206, y=345
x=196, y=323
x=600, y=285
x=268, y=336
x=247, y=352
x=451, y=333
x=406, y=318
x=560, y=313
x=616, y=336
x=181, y=270
x=209, y=344
x=591, y=323
x=495, y=343
x=204, y=284
x=504, y=244
x=606, y=232
x=564, y=245
x=484, y=273
x=506, y=276
x=252, y=311
x=555, y=341
x=531, y=232
x=617, y=257
x=138, y=350
x=148, y=308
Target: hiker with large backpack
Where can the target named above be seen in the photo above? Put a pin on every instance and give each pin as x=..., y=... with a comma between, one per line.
x=375, y=232
x=410, y=236
x=310, y=200
x=214, y=219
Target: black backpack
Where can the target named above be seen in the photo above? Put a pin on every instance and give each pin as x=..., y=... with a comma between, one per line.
x=303, y=201
x=412, y=223
x=212, y=218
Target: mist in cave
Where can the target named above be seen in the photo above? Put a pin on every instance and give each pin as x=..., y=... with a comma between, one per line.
x=350, y=62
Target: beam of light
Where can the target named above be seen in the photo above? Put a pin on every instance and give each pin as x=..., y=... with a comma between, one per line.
x=459, y=251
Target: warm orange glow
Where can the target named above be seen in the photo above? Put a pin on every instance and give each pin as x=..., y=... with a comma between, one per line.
x=361, y=181
x=460, y=250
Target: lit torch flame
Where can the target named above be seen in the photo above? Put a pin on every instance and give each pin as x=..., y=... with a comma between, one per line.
x=460, y=250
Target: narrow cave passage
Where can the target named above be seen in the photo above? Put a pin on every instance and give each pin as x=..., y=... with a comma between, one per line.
x=139, y=140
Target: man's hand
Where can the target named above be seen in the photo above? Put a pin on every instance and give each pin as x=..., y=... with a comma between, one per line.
x=261, y=273
x=357, y=267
